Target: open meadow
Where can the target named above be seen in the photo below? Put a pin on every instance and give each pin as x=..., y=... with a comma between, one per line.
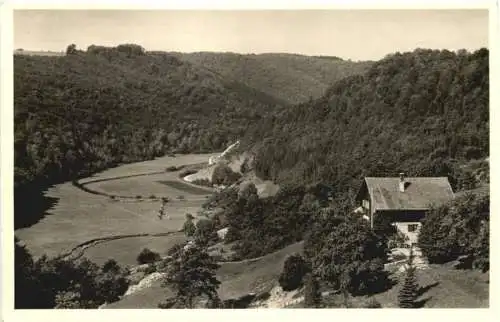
x=79, y=216
x=440, y=286
x=125, y=251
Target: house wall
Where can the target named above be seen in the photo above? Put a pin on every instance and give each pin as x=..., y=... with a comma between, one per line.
x=412, y=235
x=372, y=210
x=402, y=219
x=366, y=203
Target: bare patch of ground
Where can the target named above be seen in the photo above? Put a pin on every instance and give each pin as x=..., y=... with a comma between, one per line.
x=237, y=279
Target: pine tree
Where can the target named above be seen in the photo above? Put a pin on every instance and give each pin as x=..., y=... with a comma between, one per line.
x=312, y=295
x=408, y=294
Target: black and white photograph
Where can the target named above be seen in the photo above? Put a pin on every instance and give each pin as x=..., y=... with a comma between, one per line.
x=251, y=159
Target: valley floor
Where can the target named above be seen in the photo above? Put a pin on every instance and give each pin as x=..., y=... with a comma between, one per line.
x=79, y=216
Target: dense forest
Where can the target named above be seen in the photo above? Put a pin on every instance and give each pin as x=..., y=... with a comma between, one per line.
x=425, y=113
x=90, y=110
x=289, y=77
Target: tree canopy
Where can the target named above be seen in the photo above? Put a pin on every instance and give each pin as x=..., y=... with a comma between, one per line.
x=424, y=113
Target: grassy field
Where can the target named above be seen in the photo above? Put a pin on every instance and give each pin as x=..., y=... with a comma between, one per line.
x=79, y=216
x=237, y=279
x=180, y=186
x=158, y=164
x=445, y=287
x=125, y=251
x=441, y=286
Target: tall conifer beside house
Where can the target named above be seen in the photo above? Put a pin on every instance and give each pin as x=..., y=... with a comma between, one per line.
x=408, y=294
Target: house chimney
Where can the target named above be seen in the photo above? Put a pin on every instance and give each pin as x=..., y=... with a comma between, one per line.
x=402, y=182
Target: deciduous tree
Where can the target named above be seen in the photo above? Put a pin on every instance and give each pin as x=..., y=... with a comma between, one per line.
x=191, y=276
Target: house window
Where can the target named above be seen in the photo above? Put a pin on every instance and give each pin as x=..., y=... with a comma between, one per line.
x=412, y=228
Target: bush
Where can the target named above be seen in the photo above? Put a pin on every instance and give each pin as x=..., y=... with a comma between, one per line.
x=466, y=181
x=147, y=256
x=111, y=266
x=192, y=276
x=175, y=250
x=68, y=300
x=455, y=229
x=189, y=227
x=434, y=238
x=151, y=268
x=245, y=166
x=262, y=225
x=49, y=283
x=223, y=175
x=205, y=232
x=349, y=255
x=397, y=240
x=480, y=249
x=294, y=270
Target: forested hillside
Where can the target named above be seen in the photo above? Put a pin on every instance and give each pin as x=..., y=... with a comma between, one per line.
x=292, y=78
x=424, y=113
x=87, y=111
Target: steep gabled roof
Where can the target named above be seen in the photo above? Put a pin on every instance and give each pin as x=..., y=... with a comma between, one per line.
x=419, y=194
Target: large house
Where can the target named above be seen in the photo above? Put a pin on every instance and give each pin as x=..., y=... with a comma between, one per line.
x=403, y=201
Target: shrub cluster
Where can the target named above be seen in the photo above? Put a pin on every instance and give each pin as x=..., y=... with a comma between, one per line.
x=57, y=283
x=147, y=256
x=460, y=227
